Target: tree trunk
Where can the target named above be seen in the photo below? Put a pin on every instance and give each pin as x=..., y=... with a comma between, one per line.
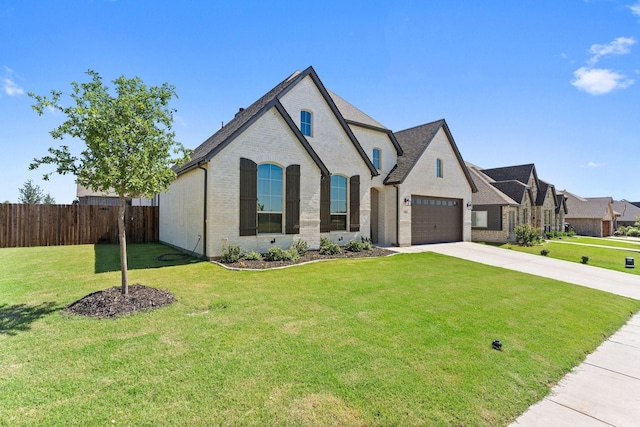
x=122, y=234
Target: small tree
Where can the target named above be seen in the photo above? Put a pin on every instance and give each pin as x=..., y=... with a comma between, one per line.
x=128, y=137
x=30, y=193
x=49, y=200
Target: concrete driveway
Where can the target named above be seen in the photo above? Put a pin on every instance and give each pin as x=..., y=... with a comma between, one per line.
x=605, y=389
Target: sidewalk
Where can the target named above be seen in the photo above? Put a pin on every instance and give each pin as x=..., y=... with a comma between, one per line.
x=605, y=389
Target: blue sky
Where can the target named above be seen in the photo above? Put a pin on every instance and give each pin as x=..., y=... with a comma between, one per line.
x=555, y=83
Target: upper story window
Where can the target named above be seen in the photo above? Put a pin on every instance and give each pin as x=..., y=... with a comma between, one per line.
x=376, y=158
x=439, y=172
x=269, y=198
x=305, y=122
x=338, y=203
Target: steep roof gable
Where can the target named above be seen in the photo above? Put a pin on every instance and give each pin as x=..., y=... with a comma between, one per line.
x=514, y=189
x=487, y=194
x=245, y=118
x=414, y=142
x=542, y=193
x=520, y=173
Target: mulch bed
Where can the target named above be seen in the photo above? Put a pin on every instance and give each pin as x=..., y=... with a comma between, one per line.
x=110, y=303
x=307, y=257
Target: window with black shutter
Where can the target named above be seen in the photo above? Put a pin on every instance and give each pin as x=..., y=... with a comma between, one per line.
x=248, y=197
x=292, y=211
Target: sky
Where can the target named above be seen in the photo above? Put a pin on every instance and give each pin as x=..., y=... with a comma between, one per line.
x=554, y=83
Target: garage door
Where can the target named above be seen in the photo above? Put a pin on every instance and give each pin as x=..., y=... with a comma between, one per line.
x=435, y=220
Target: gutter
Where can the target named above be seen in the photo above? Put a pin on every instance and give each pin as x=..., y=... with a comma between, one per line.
x=204, y=220
x=397, y=215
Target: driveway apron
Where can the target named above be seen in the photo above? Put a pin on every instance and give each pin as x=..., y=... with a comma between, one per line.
x=605, y=389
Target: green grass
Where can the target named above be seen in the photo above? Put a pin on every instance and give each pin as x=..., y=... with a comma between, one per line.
x=402, y=340
x=614, y=243
x=612, y=259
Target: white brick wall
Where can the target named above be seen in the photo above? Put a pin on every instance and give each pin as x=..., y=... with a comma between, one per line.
x=422, y=180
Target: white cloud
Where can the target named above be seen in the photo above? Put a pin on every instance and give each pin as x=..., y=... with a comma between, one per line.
x=620, y=46
x=635, y=9
x=599, y=81
x=9, y=86
x=592, y=165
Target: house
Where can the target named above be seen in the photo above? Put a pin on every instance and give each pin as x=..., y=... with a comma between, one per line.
x=510, y=196
x=627, y=213
x=302, y=163
x=591, y=216
x=86, y=196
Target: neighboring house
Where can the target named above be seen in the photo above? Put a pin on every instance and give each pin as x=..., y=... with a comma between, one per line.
x=302, y=163
x=510, y=196
x=627, y=213
x=591, y=216
x=86, y=196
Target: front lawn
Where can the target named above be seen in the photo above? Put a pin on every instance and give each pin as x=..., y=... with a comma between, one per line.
x=401, y=340
x=610, y=258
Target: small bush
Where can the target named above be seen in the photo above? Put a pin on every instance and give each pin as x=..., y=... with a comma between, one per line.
x=301, y=246
x=571, y=233
x=279, y=254
x=633, y=232
x=585, y=259
x=252, y=256
x=354, y=246
x=527, y=235
x=327, y=247
x=367, y=245
x=231, y=253
x=621, y=231
x=544, y=252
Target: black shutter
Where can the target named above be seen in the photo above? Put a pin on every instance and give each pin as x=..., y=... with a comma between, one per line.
x=292, y=225
x=248, y=197
x=325, y=204
x=354, y=199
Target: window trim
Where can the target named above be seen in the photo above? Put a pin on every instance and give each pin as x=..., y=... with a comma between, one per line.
x=373, y=158
x=479, y=219
x=282, y=199
x=306, y=127
x=344, y=201
x=439, y=168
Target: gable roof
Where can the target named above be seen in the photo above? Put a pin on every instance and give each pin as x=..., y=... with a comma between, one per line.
x=414, y=142
x=514, y=189
x=628, y=211
x=561, y=202
x=587, y=208
x=487, y=194
x=542, y=193
x=519, y=173
x=354, y=116
x=246, y=117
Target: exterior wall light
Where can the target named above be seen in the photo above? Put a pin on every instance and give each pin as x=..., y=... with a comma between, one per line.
x=407, y=201
x=469, y=205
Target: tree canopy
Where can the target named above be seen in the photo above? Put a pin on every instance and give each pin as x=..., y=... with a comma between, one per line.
x=31, y=193
x=130, y=147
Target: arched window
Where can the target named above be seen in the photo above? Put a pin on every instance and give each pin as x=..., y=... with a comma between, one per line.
x=305, y=122
x=376, y=158
x=269, y=198
x=338, y=203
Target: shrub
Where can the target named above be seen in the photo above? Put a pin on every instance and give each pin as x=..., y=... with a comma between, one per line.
x=367, y=245
x=621, y=231
x=252, y=256
x=571, y=233
x=231, y=253
x=301, y=246
x=279, y=254
x=585, y=259
x=544, y=252
x=354, y=246
x=633, y=232
x=327, y=247
x=527, y=235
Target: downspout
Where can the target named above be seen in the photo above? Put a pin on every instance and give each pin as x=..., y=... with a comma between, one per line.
x=204, y=221
x=397, y=215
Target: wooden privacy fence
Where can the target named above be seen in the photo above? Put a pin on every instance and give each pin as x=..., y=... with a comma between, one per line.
x=52, y=225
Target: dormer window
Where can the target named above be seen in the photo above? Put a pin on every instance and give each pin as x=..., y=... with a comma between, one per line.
x=376, y=158
x=305, y=122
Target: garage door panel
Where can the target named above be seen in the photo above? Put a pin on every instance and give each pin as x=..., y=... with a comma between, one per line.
x=435, y=220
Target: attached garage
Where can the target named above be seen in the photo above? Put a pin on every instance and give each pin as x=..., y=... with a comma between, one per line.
x=435, y=220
